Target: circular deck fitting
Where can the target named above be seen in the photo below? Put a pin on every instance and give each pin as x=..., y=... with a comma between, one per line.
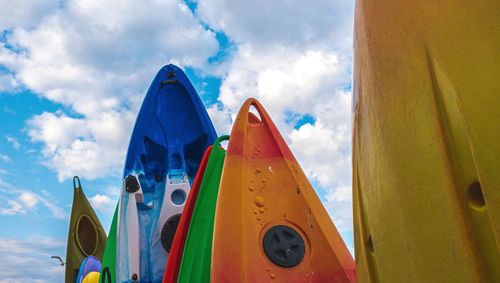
x=284, y=246
x=168, y=231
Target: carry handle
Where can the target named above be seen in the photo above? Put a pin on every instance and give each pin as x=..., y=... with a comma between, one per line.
x=217, y=142
x=260, y=110
x=74, y=183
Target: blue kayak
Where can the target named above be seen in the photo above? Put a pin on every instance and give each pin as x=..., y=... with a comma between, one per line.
x=170, y=135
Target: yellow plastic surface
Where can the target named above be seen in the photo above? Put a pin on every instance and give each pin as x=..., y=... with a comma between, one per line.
x=92, y=277
x=426, y=164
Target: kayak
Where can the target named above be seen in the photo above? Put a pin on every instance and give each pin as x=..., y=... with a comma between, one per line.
x=171, y=133
x=175, y=255
x=89, y=264
x=92, y=277
x=109, y=259
x=86, y=236
x=196, y=259
x=269, y=223
x=426, y=141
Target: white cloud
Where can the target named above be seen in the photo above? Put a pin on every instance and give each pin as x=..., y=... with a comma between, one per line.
x=221, y=119
x=25, y=14
x=13, y=207
x=324, y=152
x=29, y=199
x=5, y=158
x=8, y=83
x=295, y=59
x=311, y=83
x=97, y=59
x=95, y=55
x=291, y=23
x=284, y=80
x=92, y=147
x=339, y=204
x=28, y=260
x=103, y=202
x=13, y=142
x=19, y=201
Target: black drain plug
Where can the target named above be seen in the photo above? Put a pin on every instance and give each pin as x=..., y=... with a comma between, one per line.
x=284, y=246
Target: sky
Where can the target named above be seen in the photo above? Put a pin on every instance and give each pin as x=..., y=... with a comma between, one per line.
x=73, y=75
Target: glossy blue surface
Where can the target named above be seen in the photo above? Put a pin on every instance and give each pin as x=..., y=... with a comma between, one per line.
x=170, y=135
x=89, y=264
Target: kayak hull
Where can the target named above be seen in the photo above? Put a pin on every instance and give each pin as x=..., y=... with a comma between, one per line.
x=196, y=259
x=175, y=255
x=425, y=141
x=89, y=264
x=108, y=272
x=263, y=192
x=171, y=133
x=86, y=236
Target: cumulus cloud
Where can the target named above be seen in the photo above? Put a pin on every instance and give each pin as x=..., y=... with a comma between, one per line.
x=103, y=202
x=28, y=260
x=291, y=23
x=296, y=60
x=283, y=79
x=94, y=55
x=8, y=83
x=324, y=152
x=96, y=58
x=25, y=14
x=314, y=83
x=92, y=147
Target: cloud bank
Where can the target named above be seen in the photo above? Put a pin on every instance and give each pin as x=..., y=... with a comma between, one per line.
x=96, y=58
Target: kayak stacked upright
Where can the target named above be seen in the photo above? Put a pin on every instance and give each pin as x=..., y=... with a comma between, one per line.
x=86, y=238
x=190, y=211
x=256, y=218
x=170, y=135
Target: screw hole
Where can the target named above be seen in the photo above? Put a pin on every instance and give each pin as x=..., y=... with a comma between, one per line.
x=475, y=193
x=158, y=178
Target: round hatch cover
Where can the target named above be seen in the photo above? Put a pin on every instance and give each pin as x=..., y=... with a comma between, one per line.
x=284, y=246
x=168, y=231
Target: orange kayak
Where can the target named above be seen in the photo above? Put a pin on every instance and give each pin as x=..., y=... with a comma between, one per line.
x=270, y=226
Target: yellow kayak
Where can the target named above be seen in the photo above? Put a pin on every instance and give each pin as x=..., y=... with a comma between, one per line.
x=426, y=147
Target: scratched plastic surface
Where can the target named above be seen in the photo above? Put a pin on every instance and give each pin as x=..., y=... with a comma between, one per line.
x=427, y=141
x=263, y=186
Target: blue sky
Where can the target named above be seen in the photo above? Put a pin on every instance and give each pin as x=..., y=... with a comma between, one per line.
x=73, y=75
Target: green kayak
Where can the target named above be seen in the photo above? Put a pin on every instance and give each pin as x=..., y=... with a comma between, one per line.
x=196, y=259
x=109, y=260
x=86, y=237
